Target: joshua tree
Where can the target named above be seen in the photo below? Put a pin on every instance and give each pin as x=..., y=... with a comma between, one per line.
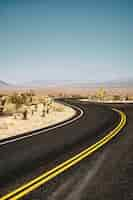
x=1, y=110
x=15, y=104
x=25, y=112
x=127, y=98
x=49, y=105
x=16, y=99
x=43, y=112
x=24, y=98
x=44, y=109
x=3, y=100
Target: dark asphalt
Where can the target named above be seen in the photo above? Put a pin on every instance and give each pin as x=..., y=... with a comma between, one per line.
x=107, y=174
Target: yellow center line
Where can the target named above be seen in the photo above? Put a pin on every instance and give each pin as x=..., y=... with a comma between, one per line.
x=37, y=182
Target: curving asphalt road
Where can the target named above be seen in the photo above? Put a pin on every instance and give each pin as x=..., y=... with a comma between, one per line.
x=106, y=174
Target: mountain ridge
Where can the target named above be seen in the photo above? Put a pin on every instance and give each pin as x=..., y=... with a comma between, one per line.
x=72, y=83
x=3, y=83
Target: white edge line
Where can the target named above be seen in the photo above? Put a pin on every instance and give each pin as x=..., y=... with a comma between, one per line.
x=47, y=129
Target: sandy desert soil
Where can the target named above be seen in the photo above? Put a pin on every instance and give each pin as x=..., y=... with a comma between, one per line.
x=10, y=126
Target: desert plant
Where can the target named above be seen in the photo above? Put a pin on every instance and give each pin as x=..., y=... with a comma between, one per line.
x=9, y=108
x=43, y=112
x=3, y=100
x=24, y=98
x=25, y=112
x=101, y=94
x=127, y=98
x=16, y=99
x=59, y=108
x=116, y=97
x=1, y=110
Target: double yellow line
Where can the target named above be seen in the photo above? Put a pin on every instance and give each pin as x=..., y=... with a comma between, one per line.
x=42, y=179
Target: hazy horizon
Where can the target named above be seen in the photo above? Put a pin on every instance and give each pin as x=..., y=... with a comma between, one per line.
x=66, y=40
x=77, y=83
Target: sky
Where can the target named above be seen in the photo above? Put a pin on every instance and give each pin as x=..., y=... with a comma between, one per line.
x=79, y=40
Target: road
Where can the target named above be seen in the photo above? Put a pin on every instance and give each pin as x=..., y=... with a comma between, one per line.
x=105, y=174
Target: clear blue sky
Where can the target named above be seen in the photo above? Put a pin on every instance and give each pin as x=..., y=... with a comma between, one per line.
x=66, y=40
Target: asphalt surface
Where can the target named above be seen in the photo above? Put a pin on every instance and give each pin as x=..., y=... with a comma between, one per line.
x=107, y=174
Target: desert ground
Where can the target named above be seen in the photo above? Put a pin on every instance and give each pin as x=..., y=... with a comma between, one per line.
x=9, y=126
x=69, y=91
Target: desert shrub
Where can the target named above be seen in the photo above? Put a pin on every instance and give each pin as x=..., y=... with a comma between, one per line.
x=9, y=108
x=30, y=93
x=116, y=97
x=101, y=94
x=130, y=98
x=35, y=100
x=59, y=108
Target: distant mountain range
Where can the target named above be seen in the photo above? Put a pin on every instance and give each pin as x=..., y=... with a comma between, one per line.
x=85, y=84
x=50, y=83
x=3, y=84
x=119, y=83
x=126, y=83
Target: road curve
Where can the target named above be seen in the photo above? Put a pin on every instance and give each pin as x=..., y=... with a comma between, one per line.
x=109, y=126
x=79, y=114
